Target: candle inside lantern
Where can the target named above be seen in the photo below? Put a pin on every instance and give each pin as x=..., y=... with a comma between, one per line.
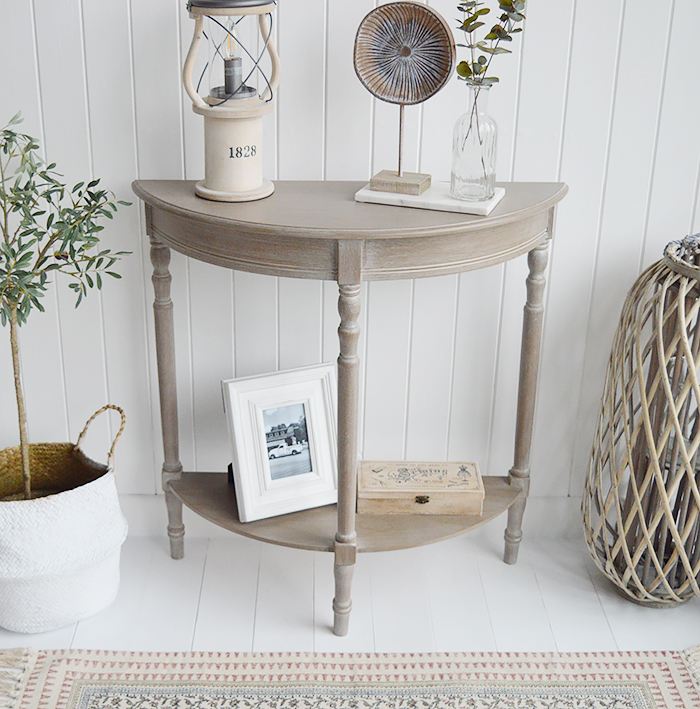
x=233, y=75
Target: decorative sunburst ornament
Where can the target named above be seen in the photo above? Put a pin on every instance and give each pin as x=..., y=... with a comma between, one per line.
x=404, y=54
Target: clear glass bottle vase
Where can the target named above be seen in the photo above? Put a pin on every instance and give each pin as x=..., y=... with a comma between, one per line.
x=474, y=150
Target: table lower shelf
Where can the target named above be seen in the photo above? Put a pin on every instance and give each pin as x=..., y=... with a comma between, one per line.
x=212, y=497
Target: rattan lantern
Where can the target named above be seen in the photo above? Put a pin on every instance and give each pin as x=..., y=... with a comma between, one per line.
x=641, y=504
x=239, y=37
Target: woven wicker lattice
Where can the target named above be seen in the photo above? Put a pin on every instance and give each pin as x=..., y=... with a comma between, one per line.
x=641, y=501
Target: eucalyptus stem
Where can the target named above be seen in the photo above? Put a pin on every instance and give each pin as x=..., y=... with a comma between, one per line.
x=475, y=70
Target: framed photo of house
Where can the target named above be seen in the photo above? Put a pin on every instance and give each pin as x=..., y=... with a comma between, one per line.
x=283, y=435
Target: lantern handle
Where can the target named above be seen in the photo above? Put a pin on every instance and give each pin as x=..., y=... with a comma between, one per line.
x=265, y=23
x=189, y=61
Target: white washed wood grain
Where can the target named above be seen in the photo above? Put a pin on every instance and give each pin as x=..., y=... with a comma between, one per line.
x=628, y=181
x=347, y=142
x=542, y=100
x=672, y=208
x=431, y=367
x=285, y=606
x=388, y=347
x=400, y=602
x=123, y=301
x=299, y=311
x=256, y=324
x=473, y=380
x=212, y=357
x=458, y=604
x=301, y=95
x=584, y=160
x=228, y=600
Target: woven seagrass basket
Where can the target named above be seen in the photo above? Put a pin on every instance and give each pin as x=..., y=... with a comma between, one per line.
x=59, y=552
x=641, y=504
x=55, y=467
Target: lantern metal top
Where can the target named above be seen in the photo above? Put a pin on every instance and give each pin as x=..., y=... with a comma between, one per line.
x=226, y=4
x=683, y=256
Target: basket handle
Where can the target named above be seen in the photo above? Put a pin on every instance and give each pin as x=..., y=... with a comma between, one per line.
x=110, y=455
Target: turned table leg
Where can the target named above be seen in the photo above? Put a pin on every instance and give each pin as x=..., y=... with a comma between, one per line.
x=165, y=354
x=519, y=474
x=349, y=258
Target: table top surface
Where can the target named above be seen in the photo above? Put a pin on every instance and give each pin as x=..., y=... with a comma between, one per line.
x=328, y=210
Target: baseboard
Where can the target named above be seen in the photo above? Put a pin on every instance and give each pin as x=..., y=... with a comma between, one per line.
x=545, y=518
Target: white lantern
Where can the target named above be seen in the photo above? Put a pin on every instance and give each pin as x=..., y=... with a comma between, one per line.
x=233, y=111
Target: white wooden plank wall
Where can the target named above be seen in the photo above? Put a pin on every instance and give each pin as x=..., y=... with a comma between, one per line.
x=601, y=94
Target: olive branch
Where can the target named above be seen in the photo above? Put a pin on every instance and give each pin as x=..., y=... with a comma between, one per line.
x=44, y=227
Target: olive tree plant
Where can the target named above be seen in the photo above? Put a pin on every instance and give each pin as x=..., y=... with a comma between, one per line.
x=47, y=229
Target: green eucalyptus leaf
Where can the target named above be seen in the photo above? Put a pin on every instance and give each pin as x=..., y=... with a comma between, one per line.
x=463, y=69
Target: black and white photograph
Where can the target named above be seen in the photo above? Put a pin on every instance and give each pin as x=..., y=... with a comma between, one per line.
x=287, y=440
x=283, y=435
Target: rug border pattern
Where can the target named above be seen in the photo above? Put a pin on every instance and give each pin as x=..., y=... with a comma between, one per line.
x=48, y=676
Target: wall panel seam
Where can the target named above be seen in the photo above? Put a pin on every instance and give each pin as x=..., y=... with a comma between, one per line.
x=655, y=147
x=516, y=105
x=497, y=358
x=453, y=361
x=599, y=228
x=567, y=88
x=364, y=319
x=183, y=107
x=552, y=243
x=190, y=352
x=409, y=363
x=91, y=159
x=324, y=136
x=693, y=210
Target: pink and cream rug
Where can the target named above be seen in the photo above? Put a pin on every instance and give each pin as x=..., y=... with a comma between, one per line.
x=80, y=679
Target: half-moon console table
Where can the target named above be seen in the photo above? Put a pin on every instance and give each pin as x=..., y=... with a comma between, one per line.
x=316, y=230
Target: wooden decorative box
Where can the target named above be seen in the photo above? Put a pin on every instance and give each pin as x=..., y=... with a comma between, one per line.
x=408, y=487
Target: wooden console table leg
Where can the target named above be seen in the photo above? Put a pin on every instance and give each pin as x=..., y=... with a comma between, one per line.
x=519, y=474
x=165, y=354
x=349, y=257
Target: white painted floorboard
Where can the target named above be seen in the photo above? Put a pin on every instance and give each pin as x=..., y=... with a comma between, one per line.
x=234, y=594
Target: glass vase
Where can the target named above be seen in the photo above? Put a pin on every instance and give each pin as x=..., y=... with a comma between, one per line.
x=474, y=150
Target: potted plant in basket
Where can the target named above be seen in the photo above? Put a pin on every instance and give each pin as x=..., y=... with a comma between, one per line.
x=474, y=139
x=61, y=527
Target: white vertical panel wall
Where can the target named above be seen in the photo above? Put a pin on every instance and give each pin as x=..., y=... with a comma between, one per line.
x=600, y=94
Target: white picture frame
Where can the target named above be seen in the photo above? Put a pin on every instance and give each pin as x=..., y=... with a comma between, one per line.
x=283, y=435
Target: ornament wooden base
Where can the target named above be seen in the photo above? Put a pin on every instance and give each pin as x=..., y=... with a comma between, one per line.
x=408, y=183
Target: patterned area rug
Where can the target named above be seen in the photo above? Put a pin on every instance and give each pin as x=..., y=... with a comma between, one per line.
x=79, y=679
